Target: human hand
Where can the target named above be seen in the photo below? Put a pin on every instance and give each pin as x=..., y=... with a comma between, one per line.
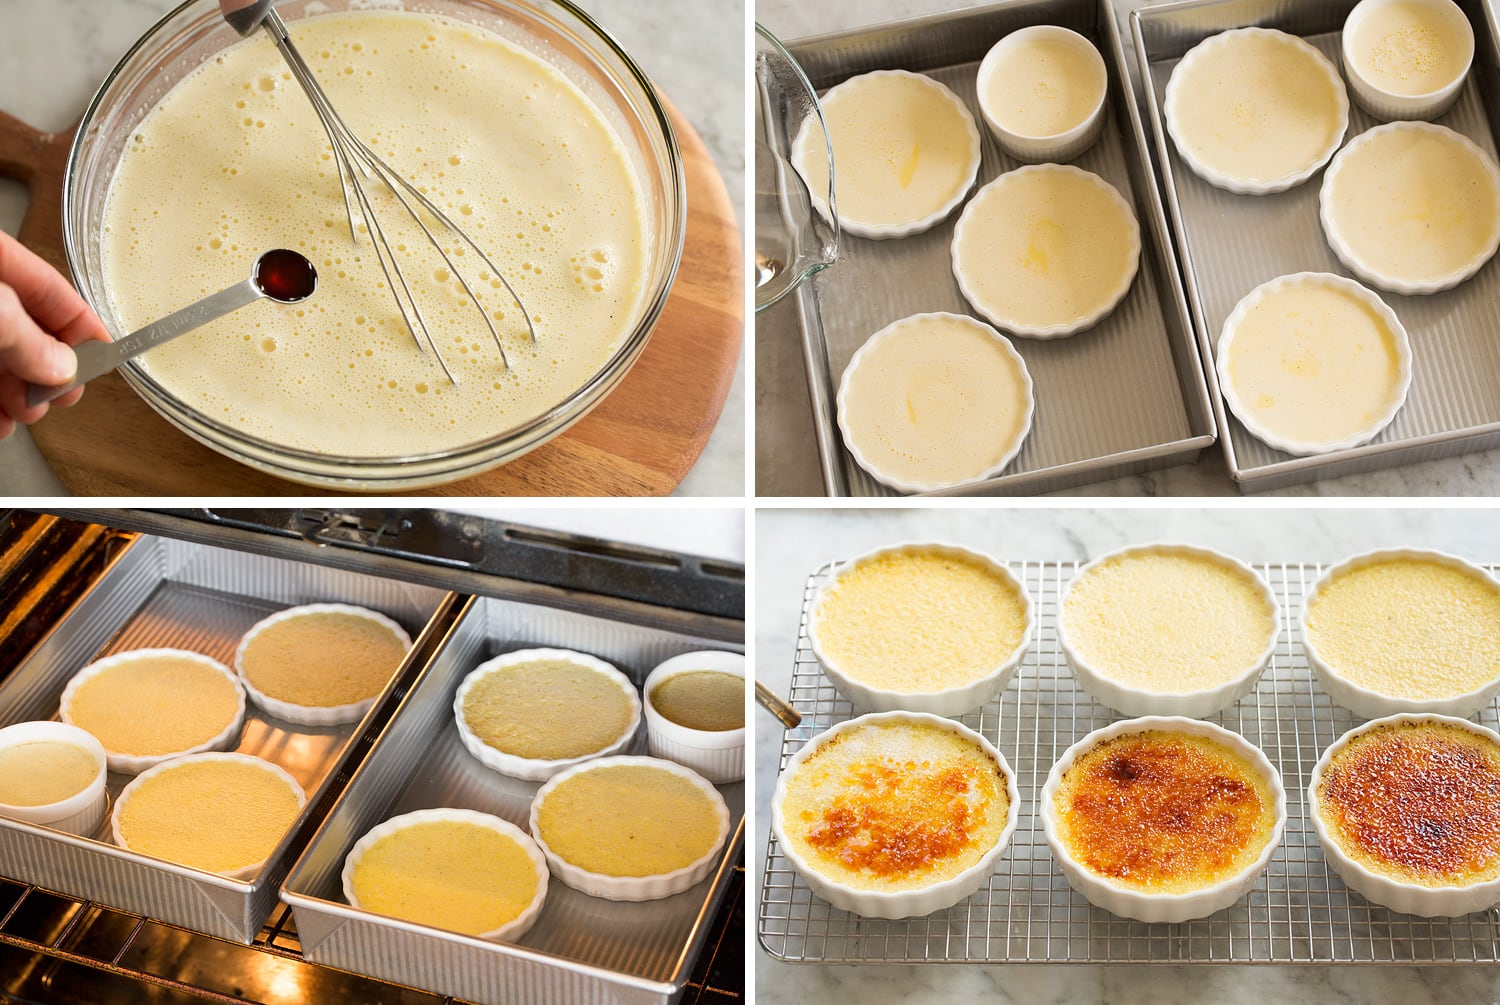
x=41, y=317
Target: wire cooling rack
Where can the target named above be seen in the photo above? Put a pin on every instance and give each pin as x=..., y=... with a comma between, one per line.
x=1298, y=912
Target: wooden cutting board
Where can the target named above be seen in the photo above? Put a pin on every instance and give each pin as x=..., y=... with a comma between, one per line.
x=641, y=440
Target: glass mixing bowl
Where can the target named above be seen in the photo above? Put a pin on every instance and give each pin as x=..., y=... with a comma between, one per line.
x=564, y=35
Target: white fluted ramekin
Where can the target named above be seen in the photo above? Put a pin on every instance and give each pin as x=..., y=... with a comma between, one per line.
x=132, y=764
x=508, y=932
x=1365, y=701
x=1306, y=447
x=1137, y=701
x=718, y=755
x=1204, y=52
x=1408, y=898
x=535, y=769
x=81, y=812
x=952, y=701
x=1386, y=104
x=1160, y=907
x=312, y=715
x=903, y=903
x=1056, y=147
x=631, y=888
x=1387, y=280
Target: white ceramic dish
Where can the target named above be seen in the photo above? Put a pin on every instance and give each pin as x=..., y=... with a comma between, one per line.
x=1031, y=147
x=1382, y=101
x=312, y=715
x=1160, y=907
x=1138, y=701
x=508, y=932
x=969, y=263
x=244, y=872
x=631, y=888
x=1409, y=898
x=904, y=903
x=1365, y=701
x=79, y=813
x=808, y=150
x=534, y=769
x=1360, y=259
x=908, y=327
x=950, y=701
x=131, y=764
x=717, y=755
x=1302, y=447
x=1205, y=54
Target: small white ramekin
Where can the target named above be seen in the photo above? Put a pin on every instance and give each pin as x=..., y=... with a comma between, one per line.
x=1306, y=447
x=904, y=903
x=1364, y=269
x=131, y=764
x=1388, y=105
x=1372, y=704
x=244, y=872
x=1057, y=147
x=1204, y=52
x=970, y=217
x=718, y=755
x=79, y=813
x=508, y=932
x=897, y=329
x=631, y=888
x=1135, y=701
x=1160, y=907
x=1408, y=898
x=808, y=147
x=312, y=715
x=535, y=769
x=952, y=701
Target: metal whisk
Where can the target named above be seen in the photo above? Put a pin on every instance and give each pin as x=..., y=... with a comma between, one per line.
x=358, y=163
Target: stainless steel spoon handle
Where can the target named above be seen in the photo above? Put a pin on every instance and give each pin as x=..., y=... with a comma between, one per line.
x=96, y=358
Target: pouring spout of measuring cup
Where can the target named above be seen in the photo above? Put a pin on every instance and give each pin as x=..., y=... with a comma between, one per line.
x=281, y=275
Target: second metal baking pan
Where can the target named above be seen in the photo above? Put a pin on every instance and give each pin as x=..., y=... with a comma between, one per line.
x=582, y=949
x=1123, y=397
x=1229, y=244
x=164, y=592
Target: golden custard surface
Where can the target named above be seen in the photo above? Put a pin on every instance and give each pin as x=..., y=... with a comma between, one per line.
x=629, y=820
x=894, y=806
x=154, y=705
x=1043, y=87
x=709, y=700
x=1168, y=622
x=1409, y=628
x=450, y=874
x=214, y=815
x=1409, y=48
x=1414, y=204
x=1045, y=246
x=322, y=659
x=1417, y=802
x=1313, y=362
x=935, y=400
x=1164, y=812
x=902, y=147
x=1256, y=106
x=918, y=621
x=547, y=709
x=40, y=772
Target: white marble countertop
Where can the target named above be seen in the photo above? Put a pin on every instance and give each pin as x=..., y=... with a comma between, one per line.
x=790, y=544
x=786, y=453
x=54, y=53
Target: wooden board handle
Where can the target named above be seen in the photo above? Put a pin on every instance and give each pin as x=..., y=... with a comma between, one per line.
x=37, y=160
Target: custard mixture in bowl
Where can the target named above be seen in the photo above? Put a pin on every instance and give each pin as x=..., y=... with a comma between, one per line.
x=520, y=119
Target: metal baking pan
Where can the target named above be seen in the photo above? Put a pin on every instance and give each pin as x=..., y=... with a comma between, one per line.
x=1123, y=397
x=164, y=592
x=1229, y=244
x=582, y=949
